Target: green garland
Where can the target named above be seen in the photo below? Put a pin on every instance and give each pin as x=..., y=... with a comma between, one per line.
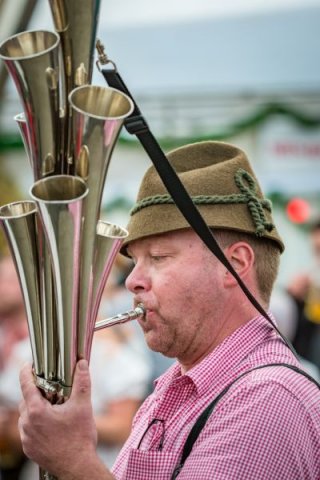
x=13, y=141
x=253, y=121
x=248, y=123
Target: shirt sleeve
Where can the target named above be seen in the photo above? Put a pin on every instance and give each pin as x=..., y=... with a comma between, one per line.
x=258, y=431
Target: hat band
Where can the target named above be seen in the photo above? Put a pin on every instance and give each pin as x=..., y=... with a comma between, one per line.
x=248, y=188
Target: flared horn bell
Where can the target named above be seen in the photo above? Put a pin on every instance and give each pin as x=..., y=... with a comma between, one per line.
x=76, y=22
x=98, y=115
x=19, y=222
x=59, y=199
x=32, y=59
x=108, y=243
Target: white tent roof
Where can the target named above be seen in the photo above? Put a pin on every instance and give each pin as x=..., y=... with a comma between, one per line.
x=253, y=53
x=202, y=45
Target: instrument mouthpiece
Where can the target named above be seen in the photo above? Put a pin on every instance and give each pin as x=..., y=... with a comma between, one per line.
x=121, y=317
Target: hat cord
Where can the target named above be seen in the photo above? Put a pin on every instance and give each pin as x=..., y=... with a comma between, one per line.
x=248, y=196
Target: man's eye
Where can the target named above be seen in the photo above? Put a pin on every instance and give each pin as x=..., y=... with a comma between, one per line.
x=158, y=258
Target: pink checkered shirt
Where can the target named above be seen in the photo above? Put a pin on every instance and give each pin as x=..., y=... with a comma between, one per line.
x=267, y=426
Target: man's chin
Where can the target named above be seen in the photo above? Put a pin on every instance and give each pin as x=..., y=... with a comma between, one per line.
x=155, y=346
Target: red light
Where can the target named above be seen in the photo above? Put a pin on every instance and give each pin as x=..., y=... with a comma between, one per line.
x=298, y=210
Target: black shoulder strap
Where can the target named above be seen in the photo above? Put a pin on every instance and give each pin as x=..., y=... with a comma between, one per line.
x=202, y=419
x=136, y=125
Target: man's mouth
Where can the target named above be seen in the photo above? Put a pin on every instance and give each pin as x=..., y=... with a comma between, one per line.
x=144, y=320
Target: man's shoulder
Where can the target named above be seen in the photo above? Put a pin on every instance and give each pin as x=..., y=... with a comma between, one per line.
x=268, y=420
x=285, y=374
x=279, y=364
x=287, y=386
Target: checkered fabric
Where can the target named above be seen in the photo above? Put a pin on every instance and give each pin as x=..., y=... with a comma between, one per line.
x=266, y=427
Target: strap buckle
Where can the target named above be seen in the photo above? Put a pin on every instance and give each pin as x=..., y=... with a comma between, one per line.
x=136, y=124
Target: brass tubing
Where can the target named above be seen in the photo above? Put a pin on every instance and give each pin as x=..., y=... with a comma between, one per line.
x=120, y=318
x=109, y=239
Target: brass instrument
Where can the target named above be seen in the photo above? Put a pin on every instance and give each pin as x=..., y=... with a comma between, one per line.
x=62, y=252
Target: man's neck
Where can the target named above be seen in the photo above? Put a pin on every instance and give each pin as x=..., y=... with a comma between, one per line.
x=233, y=320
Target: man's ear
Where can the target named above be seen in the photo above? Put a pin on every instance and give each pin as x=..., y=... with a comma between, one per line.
x=241, y=256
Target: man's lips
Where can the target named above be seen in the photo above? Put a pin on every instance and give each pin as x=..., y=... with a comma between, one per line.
x=144, y=320
x=148, y=313
x=139, y=303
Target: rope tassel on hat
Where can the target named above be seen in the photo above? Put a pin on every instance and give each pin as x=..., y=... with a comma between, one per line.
x=247, y=196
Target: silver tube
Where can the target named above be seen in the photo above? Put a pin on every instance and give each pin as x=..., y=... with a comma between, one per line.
x=59, y=199
x=32, y=58
x=98, y=115
x=121, y=318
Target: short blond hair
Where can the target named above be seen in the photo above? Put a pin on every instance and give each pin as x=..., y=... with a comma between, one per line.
x=267, y=257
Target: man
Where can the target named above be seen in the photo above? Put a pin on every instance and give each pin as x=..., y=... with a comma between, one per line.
x=265, y=423
x=304, y=289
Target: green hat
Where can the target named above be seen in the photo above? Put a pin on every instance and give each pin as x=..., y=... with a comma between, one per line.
x=221, y=182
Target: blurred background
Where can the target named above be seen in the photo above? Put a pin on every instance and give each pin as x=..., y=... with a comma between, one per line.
x=242, y=71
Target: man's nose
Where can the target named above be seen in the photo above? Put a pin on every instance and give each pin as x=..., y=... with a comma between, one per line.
x=137, y=280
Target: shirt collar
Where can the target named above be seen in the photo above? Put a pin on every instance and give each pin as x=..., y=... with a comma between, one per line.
x=225, y=358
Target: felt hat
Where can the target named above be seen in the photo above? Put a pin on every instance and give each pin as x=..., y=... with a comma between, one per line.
x=221, y=182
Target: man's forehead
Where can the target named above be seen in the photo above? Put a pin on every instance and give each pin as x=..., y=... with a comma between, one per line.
x=176, y=236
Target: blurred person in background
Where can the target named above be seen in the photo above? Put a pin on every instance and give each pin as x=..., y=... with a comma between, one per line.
x=120, y=376
x=14, y=352
x=14, y=346
x=285, y=311
x=304, y=289
x=119, y=366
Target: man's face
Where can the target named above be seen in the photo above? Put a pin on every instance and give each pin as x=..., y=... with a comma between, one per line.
x=179, y=282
